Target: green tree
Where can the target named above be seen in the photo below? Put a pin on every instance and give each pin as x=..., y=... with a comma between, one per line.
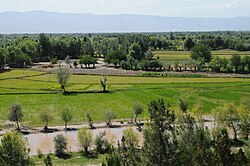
x=16, y=114
x=236, y=62
x=3, y=53
x=163, y=151
x=60, y=144
x=216, y=64
x=201, y=52
x=223, y=148
x=115, y=57
x=189, y=43
x=103, y=82
x=131, y=138
x=85, y=139
x=87, y=60
x=138, y=109
x=44, y=47
x=90, y=119
x=66, y=116
x=63, y=76
x=246, y=62
x=102, y=145
x=109, y=116
x=13, y=150
x=244, y=115
x=46, y=117
x=183, y=104
x=149, y=55
x=48, y=161
x=135, y=51
x=228, y=116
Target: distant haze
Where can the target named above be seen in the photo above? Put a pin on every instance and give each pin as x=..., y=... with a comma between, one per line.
x=51, y=22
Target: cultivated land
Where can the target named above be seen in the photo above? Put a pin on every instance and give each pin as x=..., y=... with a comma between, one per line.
x=185, y=55
x=38, y=91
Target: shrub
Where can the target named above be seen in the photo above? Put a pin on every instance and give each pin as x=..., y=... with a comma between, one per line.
x=85, y=139
x=102, y=145
x=13, y=150
x=109, y=116
x=60, y=144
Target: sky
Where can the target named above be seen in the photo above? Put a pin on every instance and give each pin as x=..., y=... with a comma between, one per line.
x=170, y=8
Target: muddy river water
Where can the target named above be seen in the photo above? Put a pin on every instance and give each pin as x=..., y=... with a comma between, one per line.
x=44, y=142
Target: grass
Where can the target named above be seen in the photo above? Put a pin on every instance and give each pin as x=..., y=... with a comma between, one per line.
x=185, y=55
x=76, y=159
x=37, y=91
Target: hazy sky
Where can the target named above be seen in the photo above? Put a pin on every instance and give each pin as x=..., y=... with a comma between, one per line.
x=186, y=8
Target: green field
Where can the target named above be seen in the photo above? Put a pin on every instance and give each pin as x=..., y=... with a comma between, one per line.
x=38, y=91
x=75, y=159
x=185, y=55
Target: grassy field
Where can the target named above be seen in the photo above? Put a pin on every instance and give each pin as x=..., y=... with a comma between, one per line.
x=185, y=55
x=76, y=159
x=37, y=91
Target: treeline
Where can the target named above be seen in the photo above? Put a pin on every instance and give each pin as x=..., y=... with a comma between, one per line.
x=16, y=49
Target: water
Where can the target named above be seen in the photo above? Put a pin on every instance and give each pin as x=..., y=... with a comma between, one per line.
x=44, y=142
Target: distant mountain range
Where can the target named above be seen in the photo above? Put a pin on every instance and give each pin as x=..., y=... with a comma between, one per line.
x=52, y=22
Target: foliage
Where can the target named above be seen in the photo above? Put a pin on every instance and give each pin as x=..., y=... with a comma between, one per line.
x=39, y=153
x=63, y=76
x=115, y=57
x=201, y=52
x=138, y=109
x=3, y=57
x=54, y=61
x=109, y=116
x=66, y=117
x=103, y=82
x=48, y=161
x=228, y=116
x=236, y=62
x=102, y=145
x=163, y=151
x=87, y=60
x=46, y=117
x=16, y=113
x=244, y=115
x=85, y=139
x=135, y=51
x=90, y=119
x=183, y=104
x=60, y=144
x=13, y=150
x=113, y=159
x=130, y=137
x=189, y=43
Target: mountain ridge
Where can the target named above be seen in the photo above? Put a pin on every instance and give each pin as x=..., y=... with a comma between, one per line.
x=56, y=22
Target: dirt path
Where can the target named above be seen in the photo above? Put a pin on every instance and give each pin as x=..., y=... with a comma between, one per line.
x=104, y=69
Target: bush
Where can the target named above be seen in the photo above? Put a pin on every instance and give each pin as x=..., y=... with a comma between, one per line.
x=109, y=116
x=48, y=161
x=39, y=153
x=85, y=139
x=13, y=150
x=102, y=145
x=60, y=144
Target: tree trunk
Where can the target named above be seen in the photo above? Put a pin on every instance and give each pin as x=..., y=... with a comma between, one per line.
x=136, y=118
x=66, y=126
x=246, y=137
x=86, y=151
x=18, y=127
x=235, y=132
